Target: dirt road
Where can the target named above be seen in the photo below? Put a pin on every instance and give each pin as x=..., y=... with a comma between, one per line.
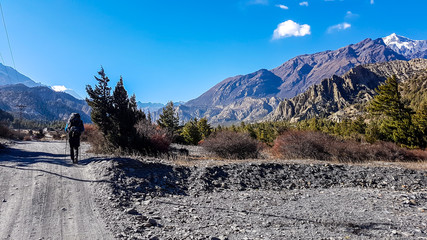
x=44, y=196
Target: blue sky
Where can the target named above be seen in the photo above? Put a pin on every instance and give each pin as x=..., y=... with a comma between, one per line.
x=176, y=50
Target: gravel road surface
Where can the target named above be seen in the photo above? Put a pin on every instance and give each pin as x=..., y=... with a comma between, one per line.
x=44, y=196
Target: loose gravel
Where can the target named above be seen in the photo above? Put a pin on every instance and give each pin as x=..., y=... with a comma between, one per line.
x=154, y=200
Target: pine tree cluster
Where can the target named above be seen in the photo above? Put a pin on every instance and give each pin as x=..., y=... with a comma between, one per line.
x=115, y=114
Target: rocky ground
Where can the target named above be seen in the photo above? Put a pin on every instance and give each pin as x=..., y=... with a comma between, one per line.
x=158, y=199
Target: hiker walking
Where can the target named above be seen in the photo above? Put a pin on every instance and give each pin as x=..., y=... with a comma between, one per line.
x=74, y=129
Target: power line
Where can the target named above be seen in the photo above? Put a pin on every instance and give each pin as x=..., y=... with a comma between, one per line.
x=5, y=67
x=8, y=41
x=7, y=35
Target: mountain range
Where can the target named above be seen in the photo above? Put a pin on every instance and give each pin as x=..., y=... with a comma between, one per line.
x=253, y=96
x=41, y=102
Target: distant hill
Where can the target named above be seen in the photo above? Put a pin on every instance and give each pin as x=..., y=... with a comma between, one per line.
x=42, y=103
x=223, y=103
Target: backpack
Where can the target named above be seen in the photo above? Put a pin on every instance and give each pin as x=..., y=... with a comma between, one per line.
x=74, y=119
x=74, y=124
x=74, y=132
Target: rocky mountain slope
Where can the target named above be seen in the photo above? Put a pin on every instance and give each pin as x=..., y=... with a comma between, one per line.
x=291, y=78
x=345, y=95
x=247, y=109
x=9, y=75
x=42, y=103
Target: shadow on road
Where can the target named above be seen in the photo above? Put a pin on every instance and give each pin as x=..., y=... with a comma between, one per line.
x=23, y=160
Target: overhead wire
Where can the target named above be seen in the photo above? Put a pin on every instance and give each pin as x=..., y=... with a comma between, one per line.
x=5, y=67
x=8, y=41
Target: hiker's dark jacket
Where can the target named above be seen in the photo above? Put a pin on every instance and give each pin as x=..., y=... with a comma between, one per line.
x=74, y=128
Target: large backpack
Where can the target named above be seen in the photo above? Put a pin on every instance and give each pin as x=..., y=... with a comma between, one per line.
x=74, y=125
x=74, y=132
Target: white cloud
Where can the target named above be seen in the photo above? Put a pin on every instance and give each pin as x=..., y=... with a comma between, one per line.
x=349, y=14
x=339, y=27
x=372, y=1
x=258, y=2
x=59, y=88
x=303, y=4
x=282, y=6
x=291, y=29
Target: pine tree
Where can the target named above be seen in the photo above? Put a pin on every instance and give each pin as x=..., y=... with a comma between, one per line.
x=420, y=120
x=395, y=120
x=190, y=132
x=125, y=116
x=100, y=100
x=121, y=129
x=169, y=120
x=204, y=128
x=116, y=115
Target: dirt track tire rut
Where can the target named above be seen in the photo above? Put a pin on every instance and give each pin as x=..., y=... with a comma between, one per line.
x=44, y=196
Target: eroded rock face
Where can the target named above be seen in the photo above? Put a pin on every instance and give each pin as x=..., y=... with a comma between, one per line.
x=247, y=109
x=343, y=95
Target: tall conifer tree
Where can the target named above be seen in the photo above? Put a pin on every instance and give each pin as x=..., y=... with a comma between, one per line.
x=100, y=100
x=169, y=120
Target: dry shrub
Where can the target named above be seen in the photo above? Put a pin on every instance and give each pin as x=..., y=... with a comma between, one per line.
x=152, y=139
x=94, y=137
x=160, y=142
x=386, y=151
x=316, y=145
x=303, y=144
x=5, y=132
x=90, y=130
x=232, y=145
x=348, y=151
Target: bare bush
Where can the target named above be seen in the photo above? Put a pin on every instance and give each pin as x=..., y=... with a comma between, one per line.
x=153, y=139
x=348, y=151
x=5, y=132
x=232, y=145
x=95, y=138
x=303, y=144
x=387, y=151
x=316, y=145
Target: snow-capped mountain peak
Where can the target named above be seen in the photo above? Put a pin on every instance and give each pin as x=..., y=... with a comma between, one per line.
x=405, y=46
x=62, y=88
